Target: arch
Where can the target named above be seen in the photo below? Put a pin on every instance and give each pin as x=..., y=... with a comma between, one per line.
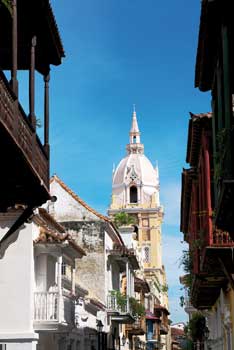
x=133, y=194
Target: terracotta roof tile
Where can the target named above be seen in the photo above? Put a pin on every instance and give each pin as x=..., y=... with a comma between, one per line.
x=47, y=236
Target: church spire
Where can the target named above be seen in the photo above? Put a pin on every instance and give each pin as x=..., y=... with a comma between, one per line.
x=134, y=145
x=134, y=131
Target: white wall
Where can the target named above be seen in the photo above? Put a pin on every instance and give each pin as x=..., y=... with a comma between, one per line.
x=16, y=278
x=66, y=208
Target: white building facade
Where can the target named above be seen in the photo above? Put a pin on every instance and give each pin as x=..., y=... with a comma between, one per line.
x=107, y=263
x=37, y=307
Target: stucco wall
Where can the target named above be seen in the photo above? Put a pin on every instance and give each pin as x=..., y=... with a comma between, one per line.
x=90, y=270
x=66, y=208
x=16, y=278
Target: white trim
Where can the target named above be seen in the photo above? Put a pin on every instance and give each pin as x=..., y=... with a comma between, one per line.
x=17, y=336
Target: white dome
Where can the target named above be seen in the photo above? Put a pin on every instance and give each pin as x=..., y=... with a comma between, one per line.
x=143, y=168
x=135, y=181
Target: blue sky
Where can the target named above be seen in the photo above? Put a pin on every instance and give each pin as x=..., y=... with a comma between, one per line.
x=120, y=53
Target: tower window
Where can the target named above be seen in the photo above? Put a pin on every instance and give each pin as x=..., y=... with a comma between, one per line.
x=146, y=256
x=133, y=194
x=134, y=139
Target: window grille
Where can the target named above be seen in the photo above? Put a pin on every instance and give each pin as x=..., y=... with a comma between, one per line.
x=64, y=267
x=146, y=254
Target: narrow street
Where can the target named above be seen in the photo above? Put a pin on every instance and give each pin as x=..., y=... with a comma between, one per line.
x=117, y=175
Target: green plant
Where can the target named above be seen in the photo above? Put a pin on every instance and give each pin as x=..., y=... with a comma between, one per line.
x=122, y=218
x=121, y=299
x=8, y=5
x=162, y=288
x=186, y=261
x=138, y=309
x=196, y=326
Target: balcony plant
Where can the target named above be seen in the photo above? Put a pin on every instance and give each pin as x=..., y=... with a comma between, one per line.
x=197, y=326
x=138, y=310
x=123, y=219
x=121, y=299
x=186, y=262
x=162, y=288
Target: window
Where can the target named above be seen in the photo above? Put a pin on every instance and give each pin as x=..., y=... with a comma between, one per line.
x=64, y=269
x=145, y=222
x=134, y=139
x=146, y=235
x=146, y=255
x=133, y=194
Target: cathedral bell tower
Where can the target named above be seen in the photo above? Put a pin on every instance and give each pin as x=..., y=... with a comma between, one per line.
x=135, y=190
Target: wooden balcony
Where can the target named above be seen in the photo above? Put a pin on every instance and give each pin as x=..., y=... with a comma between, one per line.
x=164, y=328
x=52, y=311
x=162, y=313
x=224, y=214
x=206, y=289
x=216, y=268
x=24, y=177
x=137, y=328
x=219, y=247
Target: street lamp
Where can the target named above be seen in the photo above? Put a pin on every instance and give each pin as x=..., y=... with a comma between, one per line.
x=99, y=326
x=99, y=330
x=206, y=333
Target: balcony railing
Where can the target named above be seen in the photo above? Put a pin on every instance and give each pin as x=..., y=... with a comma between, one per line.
x=119, y=309
x=221, y=238
x=16, y=123
x=50, y=307
x=115, y=305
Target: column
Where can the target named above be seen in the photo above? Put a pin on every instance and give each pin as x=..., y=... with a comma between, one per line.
x=14, y=81
x=133, y=287
x=127, y=284
x=46, y=114
x=59, y=283
x=32, y=116
x=127, y=195
x=73, y=281
x=139, y=194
